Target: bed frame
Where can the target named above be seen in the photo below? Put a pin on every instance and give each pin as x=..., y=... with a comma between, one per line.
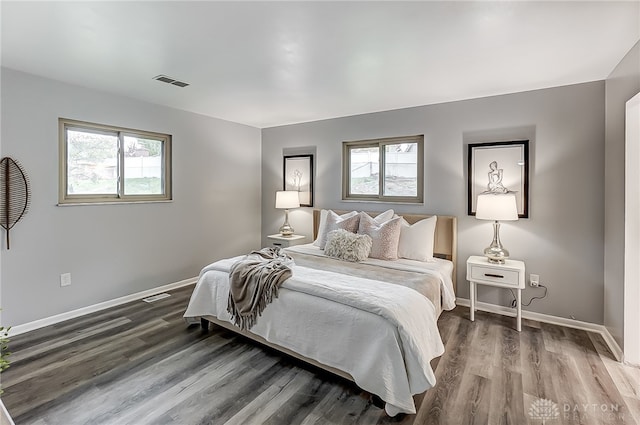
x=444, y=246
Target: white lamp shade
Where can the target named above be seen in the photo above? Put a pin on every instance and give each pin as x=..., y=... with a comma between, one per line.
x=499, y=207
x=287, y=199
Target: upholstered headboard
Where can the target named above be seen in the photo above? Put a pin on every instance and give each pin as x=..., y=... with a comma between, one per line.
x=445, y=239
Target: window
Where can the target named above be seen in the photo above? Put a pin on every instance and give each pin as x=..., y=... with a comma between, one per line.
x=389, y=170
x=100, y=163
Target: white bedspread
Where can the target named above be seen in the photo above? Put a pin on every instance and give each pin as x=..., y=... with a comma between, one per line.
x=442, y=269
x=385, y=339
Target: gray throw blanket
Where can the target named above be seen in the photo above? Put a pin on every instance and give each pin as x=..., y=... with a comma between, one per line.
x=254, y=282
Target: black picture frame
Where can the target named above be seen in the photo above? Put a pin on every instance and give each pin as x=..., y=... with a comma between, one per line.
x=512, y=167
x=298, y=175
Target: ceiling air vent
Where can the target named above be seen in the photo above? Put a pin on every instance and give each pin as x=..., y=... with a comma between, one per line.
x=170, y=80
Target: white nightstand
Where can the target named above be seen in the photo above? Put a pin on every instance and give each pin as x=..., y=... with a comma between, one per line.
x=285, y=241
x=508, y=275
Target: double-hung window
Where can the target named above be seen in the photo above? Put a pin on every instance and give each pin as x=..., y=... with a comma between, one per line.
x=388, y=170
x=100, y=163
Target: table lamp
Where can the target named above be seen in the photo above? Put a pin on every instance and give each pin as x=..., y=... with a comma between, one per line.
x=286, y=199
x=497, y=207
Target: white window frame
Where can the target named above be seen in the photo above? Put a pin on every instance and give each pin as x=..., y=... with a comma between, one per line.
x=381, y=143
x=68, y=198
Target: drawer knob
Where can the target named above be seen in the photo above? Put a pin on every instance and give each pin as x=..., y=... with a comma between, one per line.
x=494, y=275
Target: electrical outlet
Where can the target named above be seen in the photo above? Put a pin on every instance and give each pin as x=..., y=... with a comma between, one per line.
x=65, y=279
x=534, y=280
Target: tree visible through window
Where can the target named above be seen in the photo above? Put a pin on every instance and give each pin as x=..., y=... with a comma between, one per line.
x=384, y=170
x=108, y=164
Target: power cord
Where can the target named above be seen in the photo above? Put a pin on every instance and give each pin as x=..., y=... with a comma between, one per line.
x=515, y=300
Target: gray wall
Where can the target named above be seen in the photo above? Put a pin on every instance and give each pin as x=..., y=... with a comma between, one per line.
x=116, y=250
x=622, y=85
x=563, y=238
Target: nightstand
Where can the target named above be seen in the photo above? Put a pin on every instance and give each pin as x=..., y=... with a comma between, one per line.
x=508, y=275
x=285, y=241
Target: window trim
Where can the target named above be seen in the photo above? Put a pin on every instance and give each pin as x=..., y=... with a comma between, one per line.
x=381, y=143
x=65, y=198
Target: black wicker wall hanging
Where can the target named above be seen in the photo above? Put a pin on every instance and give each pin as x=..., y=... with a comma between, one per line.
x=14, y=194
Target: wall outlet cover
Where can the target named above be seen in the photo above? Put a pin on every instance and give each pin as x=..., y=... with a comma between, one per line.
x=534, y=279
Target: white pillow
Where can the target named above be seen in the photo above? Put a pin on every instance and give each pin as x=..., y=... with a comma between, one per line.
x=384, y=236
x=416, y=240
x=384, y=216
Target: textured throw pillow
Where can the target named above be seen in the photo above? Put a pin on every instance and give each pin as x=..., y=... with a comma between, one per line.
x=322, y=226
x=347, y=246
x=416, y=240
x=384, y=236
x=335, y=222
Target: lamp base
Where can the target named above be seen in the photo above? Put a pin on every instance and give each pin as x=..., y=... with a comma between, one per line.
x=286, y=231
x=496, y=253
x=496, y=256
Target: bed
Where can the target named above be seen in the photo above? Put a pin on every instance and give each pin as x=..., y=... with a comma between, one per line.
x=343, y=317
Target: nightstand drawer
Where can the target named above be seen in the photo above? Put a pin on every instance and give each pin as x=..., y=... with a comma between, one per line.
x=500, y=276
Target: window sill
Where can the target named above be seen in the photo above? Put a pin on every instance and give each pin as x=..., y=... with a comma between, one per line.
x=77, y=204
x=366, y=201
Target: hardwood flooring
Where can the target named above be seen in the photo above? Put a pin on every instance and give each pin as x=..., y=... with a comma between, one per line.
x=140, y=364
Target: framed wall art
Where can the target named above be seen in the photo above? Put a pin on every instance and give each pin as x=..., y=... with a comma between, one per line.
x=298, y=175
x=499, y=167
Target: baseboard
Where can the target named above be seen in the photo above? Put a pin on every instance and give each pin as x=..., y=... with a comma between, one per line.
x=554, y=320
x=52, y=320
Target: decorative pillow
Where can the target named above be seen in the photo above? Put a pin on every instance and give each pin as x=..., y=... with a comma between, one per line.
x=416, y=240
x=384, y=236
x=322, y=226
x=347, y=246
x=335, y=222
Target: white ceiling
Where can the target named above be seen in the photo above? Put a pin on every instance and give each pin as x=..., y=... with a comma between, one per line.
x=273, y=63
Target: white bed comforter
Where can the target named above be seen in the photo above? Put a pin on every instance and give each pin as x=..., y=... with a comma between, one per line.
x=441, y=269
x=385, y=339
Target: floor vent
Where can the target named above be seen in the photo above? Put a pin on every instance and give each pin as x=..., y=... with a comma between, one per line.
x=155, y=298
x=170, y=80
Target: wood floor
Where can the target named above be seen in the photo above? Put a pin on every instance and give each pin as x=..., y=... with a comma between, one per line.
x=140, y=364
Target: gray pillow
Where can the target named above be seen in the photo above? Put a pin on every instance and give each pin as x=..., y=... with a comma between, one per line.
x=334, y=222
x=347, y=246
